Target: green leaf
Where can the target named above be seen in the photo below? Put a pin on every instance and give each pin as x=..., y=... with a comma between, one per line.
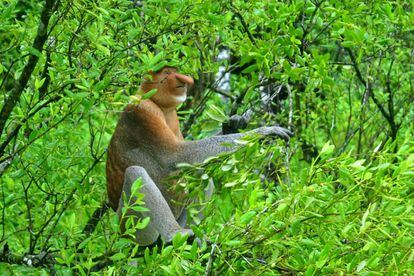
x=39, y=83
x=149, y=94
x=167, y=251
x=216, y=113
x=143, y=223
x=358, y=164
x=179, y=240
x=136, y=186
x=226, y=168
x=361, y=265
x=103, y=49
x=327, y=149
x=34, y=52
x=282, y=206
x=250, y=69
x=118, y=256
x=247, y=217
x=233, y=243
x=147, y=256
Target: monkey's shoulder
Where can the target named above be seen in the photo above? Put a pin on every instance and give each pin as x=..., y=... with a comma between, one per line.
x=144, y=110
x=144, y=126
x=140, y=118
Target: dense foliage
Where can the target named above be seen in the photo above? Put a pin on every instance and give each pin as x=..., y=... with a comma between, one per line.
x=337, y=199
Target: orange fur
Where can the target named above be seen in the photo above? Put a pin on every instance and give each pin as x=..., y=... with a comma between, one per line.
x=146, y=133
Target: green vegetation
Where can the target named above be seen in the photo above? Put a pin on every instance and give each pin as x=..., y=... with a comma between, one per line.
x=337, y=199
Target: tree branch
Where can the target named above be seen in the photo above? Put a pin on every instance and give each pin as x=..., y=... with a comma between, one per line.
x=385, y=114
x=38, y=43
x=244, y=24
x=16, y=129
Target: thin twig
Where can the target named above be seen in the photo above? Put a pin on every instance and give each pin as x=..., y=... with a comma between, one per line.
x=244, y=24
x=210, y=260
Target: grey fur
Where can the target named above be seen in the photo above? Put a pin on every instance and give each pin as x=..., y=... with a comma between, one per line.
x=165, y=221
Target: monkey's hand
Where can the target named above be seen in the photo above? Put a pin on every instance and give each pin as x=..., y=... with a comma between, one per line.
x=281, y=132
x=236, y=122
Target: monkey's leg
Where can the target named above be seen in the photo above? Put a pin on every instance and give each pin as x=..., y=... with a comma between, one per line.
x=182, y=219
x=162, y=221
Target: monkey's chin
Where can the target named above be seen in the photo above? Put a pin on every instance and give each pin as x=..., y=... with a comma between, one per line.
x=181, y=98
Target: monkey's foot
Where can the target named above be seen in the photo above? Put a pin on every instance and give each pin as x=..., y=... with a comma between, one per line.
x=199, y=241
x=182, y=232
x=191, y=238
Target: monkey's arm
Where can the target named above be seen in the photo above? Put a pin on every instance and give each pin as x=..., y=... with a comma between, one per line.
x=197, y=151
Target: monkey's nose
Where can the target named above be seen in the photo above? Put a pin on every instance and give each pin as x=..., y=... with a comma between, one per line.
x=184, y=79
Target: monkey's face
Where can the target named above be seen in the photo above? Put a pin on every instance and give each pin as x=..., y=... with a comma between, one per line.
x=172, y=87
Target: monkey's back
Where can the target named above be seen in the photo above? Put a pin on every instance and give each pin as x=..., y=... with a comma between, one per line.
x=127, y=137
x=115, y=168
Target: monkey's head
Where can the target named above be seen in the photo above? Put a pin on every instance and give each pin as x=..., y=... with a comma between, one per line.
x=172, y=87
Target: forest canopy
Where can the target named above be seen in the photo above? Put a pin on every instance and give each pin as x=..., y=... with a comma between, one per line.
x=337, y=198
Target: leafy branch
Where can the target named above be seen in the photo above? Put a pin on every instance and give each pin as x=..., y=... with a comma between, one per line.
x=37, y=46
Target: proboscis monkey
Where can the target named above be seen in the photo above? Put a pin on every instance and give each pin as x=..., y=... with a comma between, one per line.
x=147, y=143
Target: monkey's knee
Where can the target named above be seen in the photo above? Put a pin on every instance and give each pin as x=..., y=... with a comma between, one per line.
x=133, y=172
x=146, y=236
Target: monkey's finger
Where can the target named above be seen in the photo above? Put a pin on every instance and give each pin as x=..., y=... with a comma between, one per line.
x=283, y=133
x=287, y=131
x=284, y=136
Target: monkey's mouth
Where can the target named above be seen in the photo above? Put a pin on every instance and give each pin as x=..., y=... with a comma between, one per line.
x=180, y=86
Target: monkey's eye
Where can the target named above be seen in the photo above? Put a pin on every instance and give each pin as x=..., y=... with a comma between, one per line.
x=168, y=71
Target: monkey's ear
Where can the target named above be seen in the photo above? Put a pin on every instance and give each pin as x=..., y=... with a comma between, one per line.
x=148, y=76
